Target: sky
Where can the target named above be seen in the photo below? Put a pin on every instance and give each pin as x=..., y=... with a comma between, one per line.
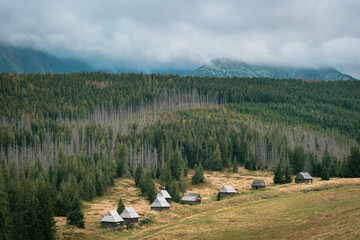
x=143, y=35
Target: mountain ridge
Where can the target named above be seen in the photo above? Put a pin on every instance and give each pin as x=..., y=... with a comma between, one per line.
x=233, y=68
x=27, y=60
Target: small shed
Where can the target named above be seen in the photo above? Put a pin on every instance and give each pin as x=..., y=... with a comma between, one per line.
x=191, y=198
x=227, y=190
x=130, y=215
x=258, y=184
x=165, y=194
x=303, y=177
x=112, y=220
x=160, y=204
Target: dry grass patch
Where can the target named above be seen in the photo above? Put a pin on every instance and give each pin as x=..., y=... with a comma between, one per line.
x=273, y=209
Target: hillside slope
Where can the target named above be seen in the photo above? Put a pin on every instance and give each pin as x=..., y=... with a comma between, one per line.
x=230, y=68
x=26, y=60
x=319, y=210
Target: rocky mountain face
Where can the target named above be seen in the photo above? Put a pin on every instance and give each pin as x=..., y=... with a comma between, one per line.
x=230, y=68
x=26, y=60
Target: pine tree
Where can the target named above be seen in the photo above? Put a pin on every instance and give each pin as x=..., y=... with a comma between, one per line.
x=279, y=175
x=121, y=151
x=288, y=178
x=217, y=162
x=121, y=206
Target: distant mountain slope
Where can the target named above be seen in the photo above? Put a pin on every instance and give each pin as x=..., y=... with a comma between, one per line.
x=26, y=60
x=229, y=68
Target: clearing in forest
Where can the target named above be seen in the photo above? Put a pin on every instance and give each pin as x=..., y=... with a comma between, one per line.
x=324, y=209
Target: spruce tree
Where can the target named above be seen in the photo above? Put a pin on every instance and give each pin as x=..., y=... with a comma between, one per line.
x=217, y=162
x=198, y=176
x=325, y=173
x=138, y=173
x=121, y=206
x=218, y=196
x=279, y=175
x=46, y=210
x=5, y=221
x=288, y=178
x=75, y=215
x=234, y=165
x=150, y=189
x=353, y=163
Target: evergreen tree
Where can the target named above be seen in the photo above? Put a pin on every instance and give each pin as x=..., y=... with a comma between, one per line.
x=325, y=173
x=173, y=189
x=218, y=196
x=150, y=190
x=138, y=173
x=234, y=165
x=45, y=210
x=198, y=176
x=279, y=175
x=287, y=173
x=217, y=162
x=75, y=215
x=121, y=206
x=121, y=151
x=5, y=221
x=165, y=176
x=353, y=163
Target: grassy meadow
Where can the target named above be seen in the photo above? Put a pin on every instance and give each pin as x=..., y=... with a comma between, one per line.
x=322, y=210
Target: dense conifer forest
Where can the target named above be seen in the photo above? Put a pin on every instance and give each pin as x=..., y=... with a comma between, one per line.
x=65, y=137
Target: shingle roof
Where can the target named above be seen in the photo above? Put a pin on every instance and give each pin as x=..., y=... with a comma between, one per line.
x=129, y=212
x=303, y=175
x=191, y=197
x=258, y=183
x=227, y=189
x=160, y=202
x=164, y=193
x=112, y=216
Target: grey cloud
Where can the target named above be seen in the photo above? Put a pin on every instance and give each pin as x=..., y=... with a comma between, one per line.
x=145, y=35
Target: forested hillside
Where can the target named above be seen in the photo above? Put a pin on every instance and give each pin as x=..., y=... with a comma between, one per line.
x=65, y=137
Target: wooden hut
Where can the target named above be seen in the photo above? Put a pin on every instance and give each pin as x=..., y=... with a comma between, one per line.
x=164, y=194
x=160, y=204
x=258, y=184
x=303, y=177
x=112, y=220
x=130, y=215
x=227, y=190
x=191, y=198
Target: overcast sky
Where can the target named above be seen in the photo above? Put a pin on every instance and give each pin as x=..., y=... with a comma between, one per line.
x=146, y=35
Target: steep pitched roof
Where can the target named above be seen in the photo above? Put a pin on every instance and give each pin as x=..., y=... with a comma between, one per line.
x=227, y=189
x=191, y=197
x=258, y=183
x=160, y=202
x=129, y=212
x=303, y=175
x=164, y=193
x=112, y=216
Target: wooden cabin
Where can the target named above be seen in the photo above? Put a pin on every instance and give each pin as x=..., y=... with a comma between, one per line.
x=164, y=194
x=227, y=190
x=258, y=184
x=303, y=177
x=130, y=215
x=191, y=198
x=112, y=220
x=160, y=204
